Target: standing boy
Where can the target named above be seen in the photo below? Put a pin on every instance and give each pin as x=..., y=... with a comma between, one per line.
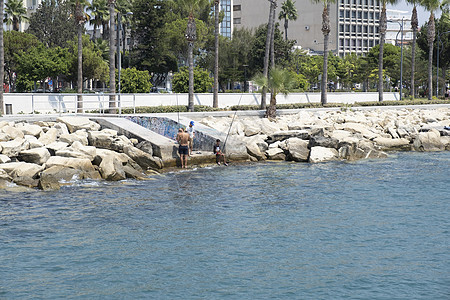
x=191, y=132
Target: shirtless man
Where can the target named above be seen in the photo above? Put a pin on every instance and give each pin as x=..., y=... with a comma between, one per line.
x=183, y=139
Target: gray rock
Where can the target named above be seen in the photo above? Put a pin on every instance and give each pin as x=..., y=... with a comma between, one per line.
x=145, y=146
x=393, y=132
x=4, y=159
x=49, y=137
x=21, y=169
x=143, y=159
x=36, y=155
x=77, y=123
x=100, y=139
x=254, y=151
x=323, y=141
x=428, y=141
x=14, y=147
x=388, y=144
x=111, y=169
x=62, y=173
x=297, y=149
x=82, y=164
x=26, y=181
x=276, y=154
x=132, y=173
x=322, y=154
x=48, y=182
x=33, y=130
x=284, y=135
x=13, y=132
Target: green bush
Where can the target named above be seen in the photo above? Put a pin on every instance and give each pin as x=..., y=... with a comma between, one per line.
x=202, y=81
x=134, y=81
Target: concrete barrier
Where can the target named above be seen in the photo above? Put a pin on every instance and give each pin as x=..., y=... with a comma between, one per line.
x=66, y=103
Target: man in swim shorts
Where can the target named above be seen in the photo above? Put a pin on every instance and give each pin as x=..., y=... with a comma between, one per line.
x=183, y=139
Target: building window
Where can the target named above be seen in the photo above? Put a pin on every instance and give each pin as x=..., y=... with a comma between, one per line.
x=341, y=28
x=347, y=14
x=371, y=15
x=366, y=15
x=237, y=21
x=359, y=15
x=353, y=28
x=236, y=7
x=353, y=15
x=341, y=13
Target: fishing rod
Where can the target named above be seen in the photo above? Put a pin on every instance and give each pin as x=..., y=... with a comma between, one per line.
x=234, y=116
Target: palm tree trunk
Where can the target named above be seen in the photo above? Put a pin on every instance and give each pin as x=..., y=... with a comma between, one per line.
x=380, y=56
x=272, y=37
x=266, y=56
x=112, y=65
x=216, y=55
x=80, y=70
x=2, y=62
x=15, y=24
x=191, y=77
x=271, y=111
x=191, y=34
x=430, y=37
x=326, y=35
x=414, y=26
x=286, y=25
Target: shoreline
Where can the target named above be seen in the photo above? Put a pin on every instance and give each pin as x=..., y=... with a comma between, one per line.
x=41, y=154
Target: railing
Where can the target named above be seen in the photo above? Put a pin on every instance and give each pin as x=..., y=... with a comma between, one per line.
x=100, y=103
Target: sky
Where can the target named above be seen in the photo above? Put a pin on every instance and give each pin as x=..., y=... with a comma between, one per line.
x=422, y=14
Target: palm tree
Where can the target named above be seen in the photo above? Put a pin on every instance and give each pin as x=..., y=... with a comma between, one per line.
x=270, y=26
x=190, y=7
x=2, y=61
x=326, y=36
x=432, y=6
x=98, y=12
x=288, y=13
x=383, y=27
x=112, y=66
x=80, y=19
x=216, y=54
x=15, y=12
x=414, y=26
x=279, y=81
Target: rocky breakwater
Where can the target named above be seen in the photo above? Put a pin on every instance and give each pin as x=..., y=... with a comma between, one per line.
x=319, y=136
x=47, y=154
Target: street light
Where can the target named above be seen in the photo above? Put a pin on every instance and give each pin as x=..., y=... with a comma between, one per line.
x=245, y=78
x=119, y=57
x=437, y=62
x=401, y=54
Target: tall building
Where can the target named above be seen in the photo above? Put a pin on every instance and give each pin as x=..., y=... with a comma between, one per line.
x=398, y=20
x=226, y=27
x=30, y=6
x=354, y=23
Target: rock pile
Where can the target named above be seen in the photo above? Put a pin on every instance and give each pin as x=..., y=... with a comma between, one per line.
x=44, y=154
x=346, y=134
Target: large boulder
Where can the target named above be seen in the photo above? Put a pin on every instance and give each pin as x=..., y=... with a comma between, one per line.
x=276, y=154
x=30, y=129
x=428, y=141
x=70, y=138
x=297, y=149
x=62, y=173
x=33, y=142
x=26, y=181
x=358, y=128
x=36, y=155
x=4, y=159
x=71, y=152
x=14, y=147
x=77, y=123
x=322, y=154
x=48, y=182
x=323, y=141
x=101, y=139
x=145, y=146
x=130, y=172
x=254, y=151
x=21, y=169
x=284, y=135
x=49, y=137
x=61, y=128
x=90, y=151
x=13, y=132
x=82, y=164
x=120, y=142
x=4, y=175
x=111, y=169
x=143, y=159
x=388, y=144
x=4, y=137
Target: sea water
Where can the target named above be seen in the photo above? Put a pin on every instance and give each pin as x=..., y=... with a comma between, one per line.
x=372, y=229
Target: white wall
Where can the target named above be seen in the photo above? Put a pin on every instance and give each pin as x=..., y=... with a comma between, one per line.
x=66, y=103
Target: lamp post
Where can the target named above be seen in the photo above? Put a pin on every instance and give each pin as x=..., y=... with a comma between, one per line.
x=119, y=56
x=245, y=78
x=401, y=53
x=437, y=62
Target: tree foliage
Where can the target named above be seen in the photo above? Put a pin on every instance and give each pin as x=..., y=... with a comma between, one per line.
x=202, y=81
x=51, y=23
x=134, y=81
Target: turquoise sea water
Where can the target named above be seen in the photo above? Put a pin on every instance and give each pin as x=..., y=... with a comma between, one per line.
x=376, y=229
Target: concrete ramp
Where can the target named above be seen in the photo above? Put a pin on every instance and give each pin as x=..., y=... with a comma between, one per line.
x=163, y=147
